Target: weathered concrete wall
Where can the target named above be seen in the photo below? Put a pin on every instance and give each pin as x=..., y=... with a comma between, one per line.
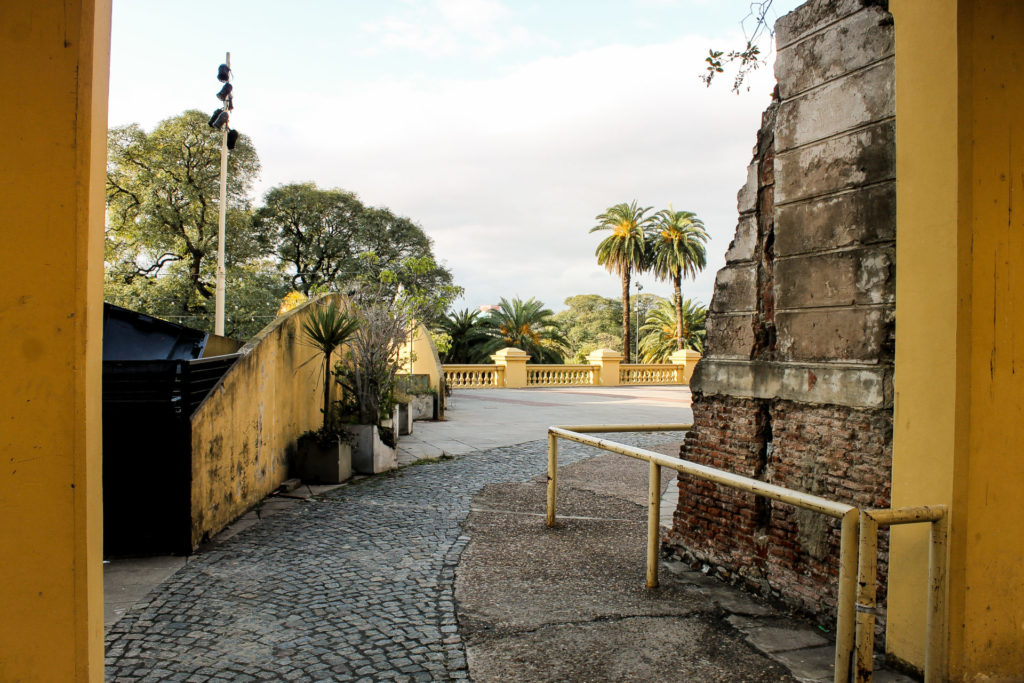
x=243, y=431
x=796, y=384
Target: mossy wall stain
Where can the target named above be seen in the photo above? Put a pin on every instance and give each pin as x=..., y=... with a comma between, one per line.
x=242, y=432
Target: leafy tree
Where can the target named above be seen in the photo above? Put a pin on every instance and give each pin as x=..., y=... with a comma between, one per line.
x=591, y=322
x=468, y=334
x=528, y=326
x=328, y=240
x=677, y=251
x=661, y=329
x=313, y=230
x=325, y=328
x=623, y=251
x=163, y=190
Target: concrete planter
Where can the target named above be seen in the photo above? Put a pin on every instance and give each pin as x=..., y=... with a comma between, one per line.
x=422, y=407
x=370, y=455
x=323, y=464
x=404, y=419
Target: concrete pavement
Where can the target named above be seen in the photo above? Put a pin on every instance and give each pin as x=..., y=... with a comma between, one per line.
x=445, y=571
x=478, y=419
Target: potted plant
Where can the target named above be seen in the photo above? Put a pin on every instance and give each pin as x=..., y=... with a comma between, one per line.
x=325, y=455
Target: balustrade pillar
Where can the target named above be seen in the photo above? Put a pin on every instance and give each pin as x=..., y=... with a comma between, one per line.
x=513, y=362
x=686, y=361
x=607, y=362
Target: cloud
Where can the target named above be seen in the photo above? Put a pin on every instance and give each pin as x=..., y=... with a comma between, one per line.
x=506, y=174
x=444, y=28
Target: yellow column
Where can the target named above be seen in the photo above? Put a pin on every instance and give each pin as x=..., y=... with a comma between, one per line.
x=54, y=64
x=608, y=361
x=958, y=425
x=513, y=361
x=687, y=358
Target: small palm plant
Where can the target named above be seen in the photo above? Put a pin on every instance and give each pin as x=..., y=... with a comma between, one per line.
x=527, y=326
x=662, y=330
x=325, y=329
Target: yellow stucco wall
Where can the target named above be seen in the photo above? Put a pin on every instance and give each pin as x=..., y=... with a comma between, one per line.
x=425, y=358
x=54, y=64
x=960, y=310
x=242, y=432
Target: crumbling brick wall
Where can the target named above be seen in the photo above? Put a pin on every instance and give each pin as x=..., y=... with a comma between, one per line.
x=795, y=387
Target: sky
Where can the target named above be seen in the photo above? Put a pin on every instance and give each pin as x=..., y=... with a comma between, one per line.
x=501, y=127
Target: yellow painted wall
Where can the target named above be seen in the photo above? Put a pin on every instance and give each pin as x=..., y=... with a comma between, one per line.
x=425, y=358
x=960, y=310
x=54, y=64
x=243, y=431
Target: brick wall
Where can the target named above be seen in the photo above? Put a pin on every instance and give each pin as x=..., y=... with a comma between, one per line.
x=795, y=387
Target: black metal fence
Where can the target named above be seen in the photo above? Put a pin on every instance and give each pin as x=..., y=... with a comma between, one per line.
x=147, y=451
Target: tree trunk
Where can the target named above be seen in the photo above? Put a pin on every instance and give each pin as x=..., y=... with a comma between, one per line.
x=677, y=287
x=625, y=316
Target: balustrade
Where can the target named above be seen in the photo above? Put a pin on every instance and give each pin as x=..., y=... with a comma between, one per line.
x=511, y=370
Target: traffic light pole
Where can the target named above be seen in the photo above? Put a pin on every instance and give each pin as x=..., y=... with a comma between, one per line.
x=219, y=315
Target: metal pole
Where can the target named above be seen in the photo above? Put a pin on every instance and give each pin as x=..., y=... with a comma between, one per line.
x=218, y=327
x=653, y=523
x=867, y=577
x=935, y=654
x=847, y=607
x=552, y=477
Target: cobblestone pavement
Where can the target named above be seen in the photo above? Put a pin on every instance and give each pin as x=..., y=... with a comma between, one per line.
x=356, y=585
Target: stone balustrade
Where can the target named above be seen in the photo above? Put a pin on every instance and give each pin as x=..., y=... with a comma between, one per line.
x=511, y=370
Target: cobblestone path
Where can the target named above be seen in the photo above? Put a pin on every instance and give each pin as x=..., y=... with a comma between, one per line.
x=356, y=585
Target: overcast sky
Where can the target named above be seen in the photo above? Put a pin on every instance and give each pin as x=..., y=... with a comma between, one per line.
x=502, y=128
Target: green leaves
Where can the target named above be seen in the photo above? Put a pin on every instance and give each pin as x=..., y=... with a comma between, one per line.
x=325, y=328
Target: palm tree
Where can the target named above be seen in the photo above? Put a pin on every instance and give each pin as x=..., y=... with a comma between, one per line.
x=623, y=251
x=528, y=326
x=468, y=332
x=661, y=330
x=677, y=242
x=325, y=329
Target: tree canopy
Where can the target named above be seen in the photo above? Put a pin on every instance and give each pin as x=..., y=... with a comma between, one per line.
x=327, y=239
x=161, y=236
x=163, y=192
x=591, y=322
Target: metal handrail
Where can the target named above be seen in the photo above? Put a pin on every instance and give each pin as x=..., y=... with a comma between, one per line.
x=867, y=580
x=848, y=545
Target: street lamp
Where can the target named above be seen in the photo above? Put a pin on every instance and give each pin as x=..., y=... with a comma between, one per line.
x=219, y=120
x=636, y=346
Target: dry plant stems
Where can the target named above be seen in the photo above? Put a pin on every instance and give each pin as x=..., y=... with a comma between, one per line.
x=370, y=365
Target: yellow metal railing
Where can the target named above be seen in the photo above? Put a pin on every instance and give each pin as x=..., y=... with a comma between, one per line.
x=855, y=619
x=867, y=582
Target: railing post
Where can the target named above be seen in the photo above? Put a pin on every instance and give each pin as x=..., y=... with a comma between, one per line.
x=848, y=543
x=867, y=577
x=653, y=523
x=686, y=361
x=607, y=362
x=552, y=477
x=935, y=655
x=513, y=362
